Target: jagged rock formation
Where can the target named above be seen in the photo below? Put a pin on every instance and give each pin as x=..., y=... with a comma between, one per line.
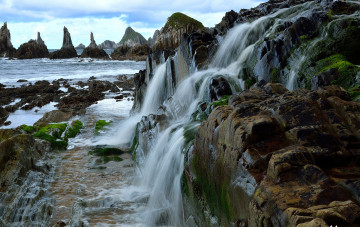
x=67, y=50
x=281, y=158
x=6, y=48
x=151, y=41
x=107, y=44
x=93, y=51
x=136, y=53
x=80, y=47
x=176, y=25
x=132, y=38
x=33, y=49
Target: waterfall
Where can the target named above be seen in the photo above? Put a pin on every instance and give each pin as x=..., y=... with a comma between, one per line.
x=160, y=173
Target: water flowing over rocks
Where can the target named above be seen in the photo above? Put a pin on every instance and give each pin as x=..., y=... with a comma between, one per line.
x=6, y=48
x=33, y=49
x=93, y=51
x=22, y=164
x=67, y=50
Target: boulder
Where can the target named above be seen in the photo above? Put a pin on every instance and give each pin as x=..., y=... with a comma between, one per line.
x=33, y=49
x=218, y=88
x=6, y=48
x=67, y=50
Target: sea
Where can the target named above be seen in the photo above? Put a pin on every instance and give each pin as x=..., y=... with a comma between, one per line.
x=74, y=70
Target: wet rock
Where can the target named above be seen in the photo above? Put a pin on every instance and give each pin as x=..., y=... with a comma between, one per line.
x=6, y=48
x=67, y=50
x=140, y=90
x=92, y=51
x=33, y=49
x=218, y=88
x=280, y=158
x=3, y=115
x=54, y=116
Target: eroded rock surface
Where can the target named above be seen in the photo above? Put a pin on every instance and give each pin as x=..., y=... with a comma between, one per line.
x=277, y=158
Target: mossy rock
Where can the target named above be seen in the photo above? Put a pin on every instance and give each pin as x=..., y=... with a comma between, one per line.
x=100, y=124
x=180, y=20
x=51, y=133
x=347, y=70
x=74, y=130
x=106, y=151
x=222, y=102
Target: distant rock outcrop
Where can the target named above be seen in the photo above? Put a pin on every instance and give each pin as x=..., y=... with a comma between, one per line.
x=67, y=50
x=132, y=38
x=6, y=48
x=33, y=49
x=107, y=44
x=176, y=25
x=136, y=53
x=93, y=51
x=80, y=47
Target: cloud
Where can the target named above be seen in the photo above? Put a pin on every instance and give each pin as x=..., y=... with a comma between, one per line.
x=108, y=19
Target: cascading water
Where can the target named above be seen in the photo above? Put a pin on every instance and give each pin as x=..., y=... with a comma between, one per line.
x=160, y=173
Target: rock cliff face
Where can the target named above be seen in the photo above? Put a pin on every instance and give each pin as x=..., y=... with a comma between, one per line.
x=277, y=158
x=67, y=50
x=6, y=48
x=33, y=49
x=93, y=51
x=176, y=25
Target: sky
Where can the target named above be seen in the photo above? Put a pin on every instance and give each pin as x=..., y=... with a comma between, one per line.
x=107, y=19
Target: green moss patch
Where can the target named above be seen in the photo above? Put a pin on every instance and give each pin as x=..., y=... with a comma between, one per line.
x=135, y=143
x=52, y=133
x=180, y=20
x=74, y=129
x=222, y=102
x=275, y=75
x=29, y=129
x=100, y=124
x=347, y=70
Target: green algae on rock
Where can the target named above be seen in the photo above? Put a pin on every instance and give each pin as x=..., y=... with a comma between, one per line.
x=100, y=124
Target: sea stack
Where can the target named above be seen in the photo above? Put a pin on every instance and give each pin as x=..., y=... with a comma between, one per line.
x=33, y=49
x=93, y=51
x=6, y=48
x=67, y=50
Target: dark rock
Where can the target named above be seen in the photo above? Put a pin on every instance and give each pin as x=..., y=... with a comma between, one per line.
x=3, y=115
x=6, y=48
x=33, y=49
x=21, y=81
x=218, y=88
x=324, y=79
x=67, y=50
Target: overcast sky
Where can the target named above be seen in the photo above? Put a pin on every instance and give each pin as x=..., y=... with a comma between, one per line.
x=107, y=19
